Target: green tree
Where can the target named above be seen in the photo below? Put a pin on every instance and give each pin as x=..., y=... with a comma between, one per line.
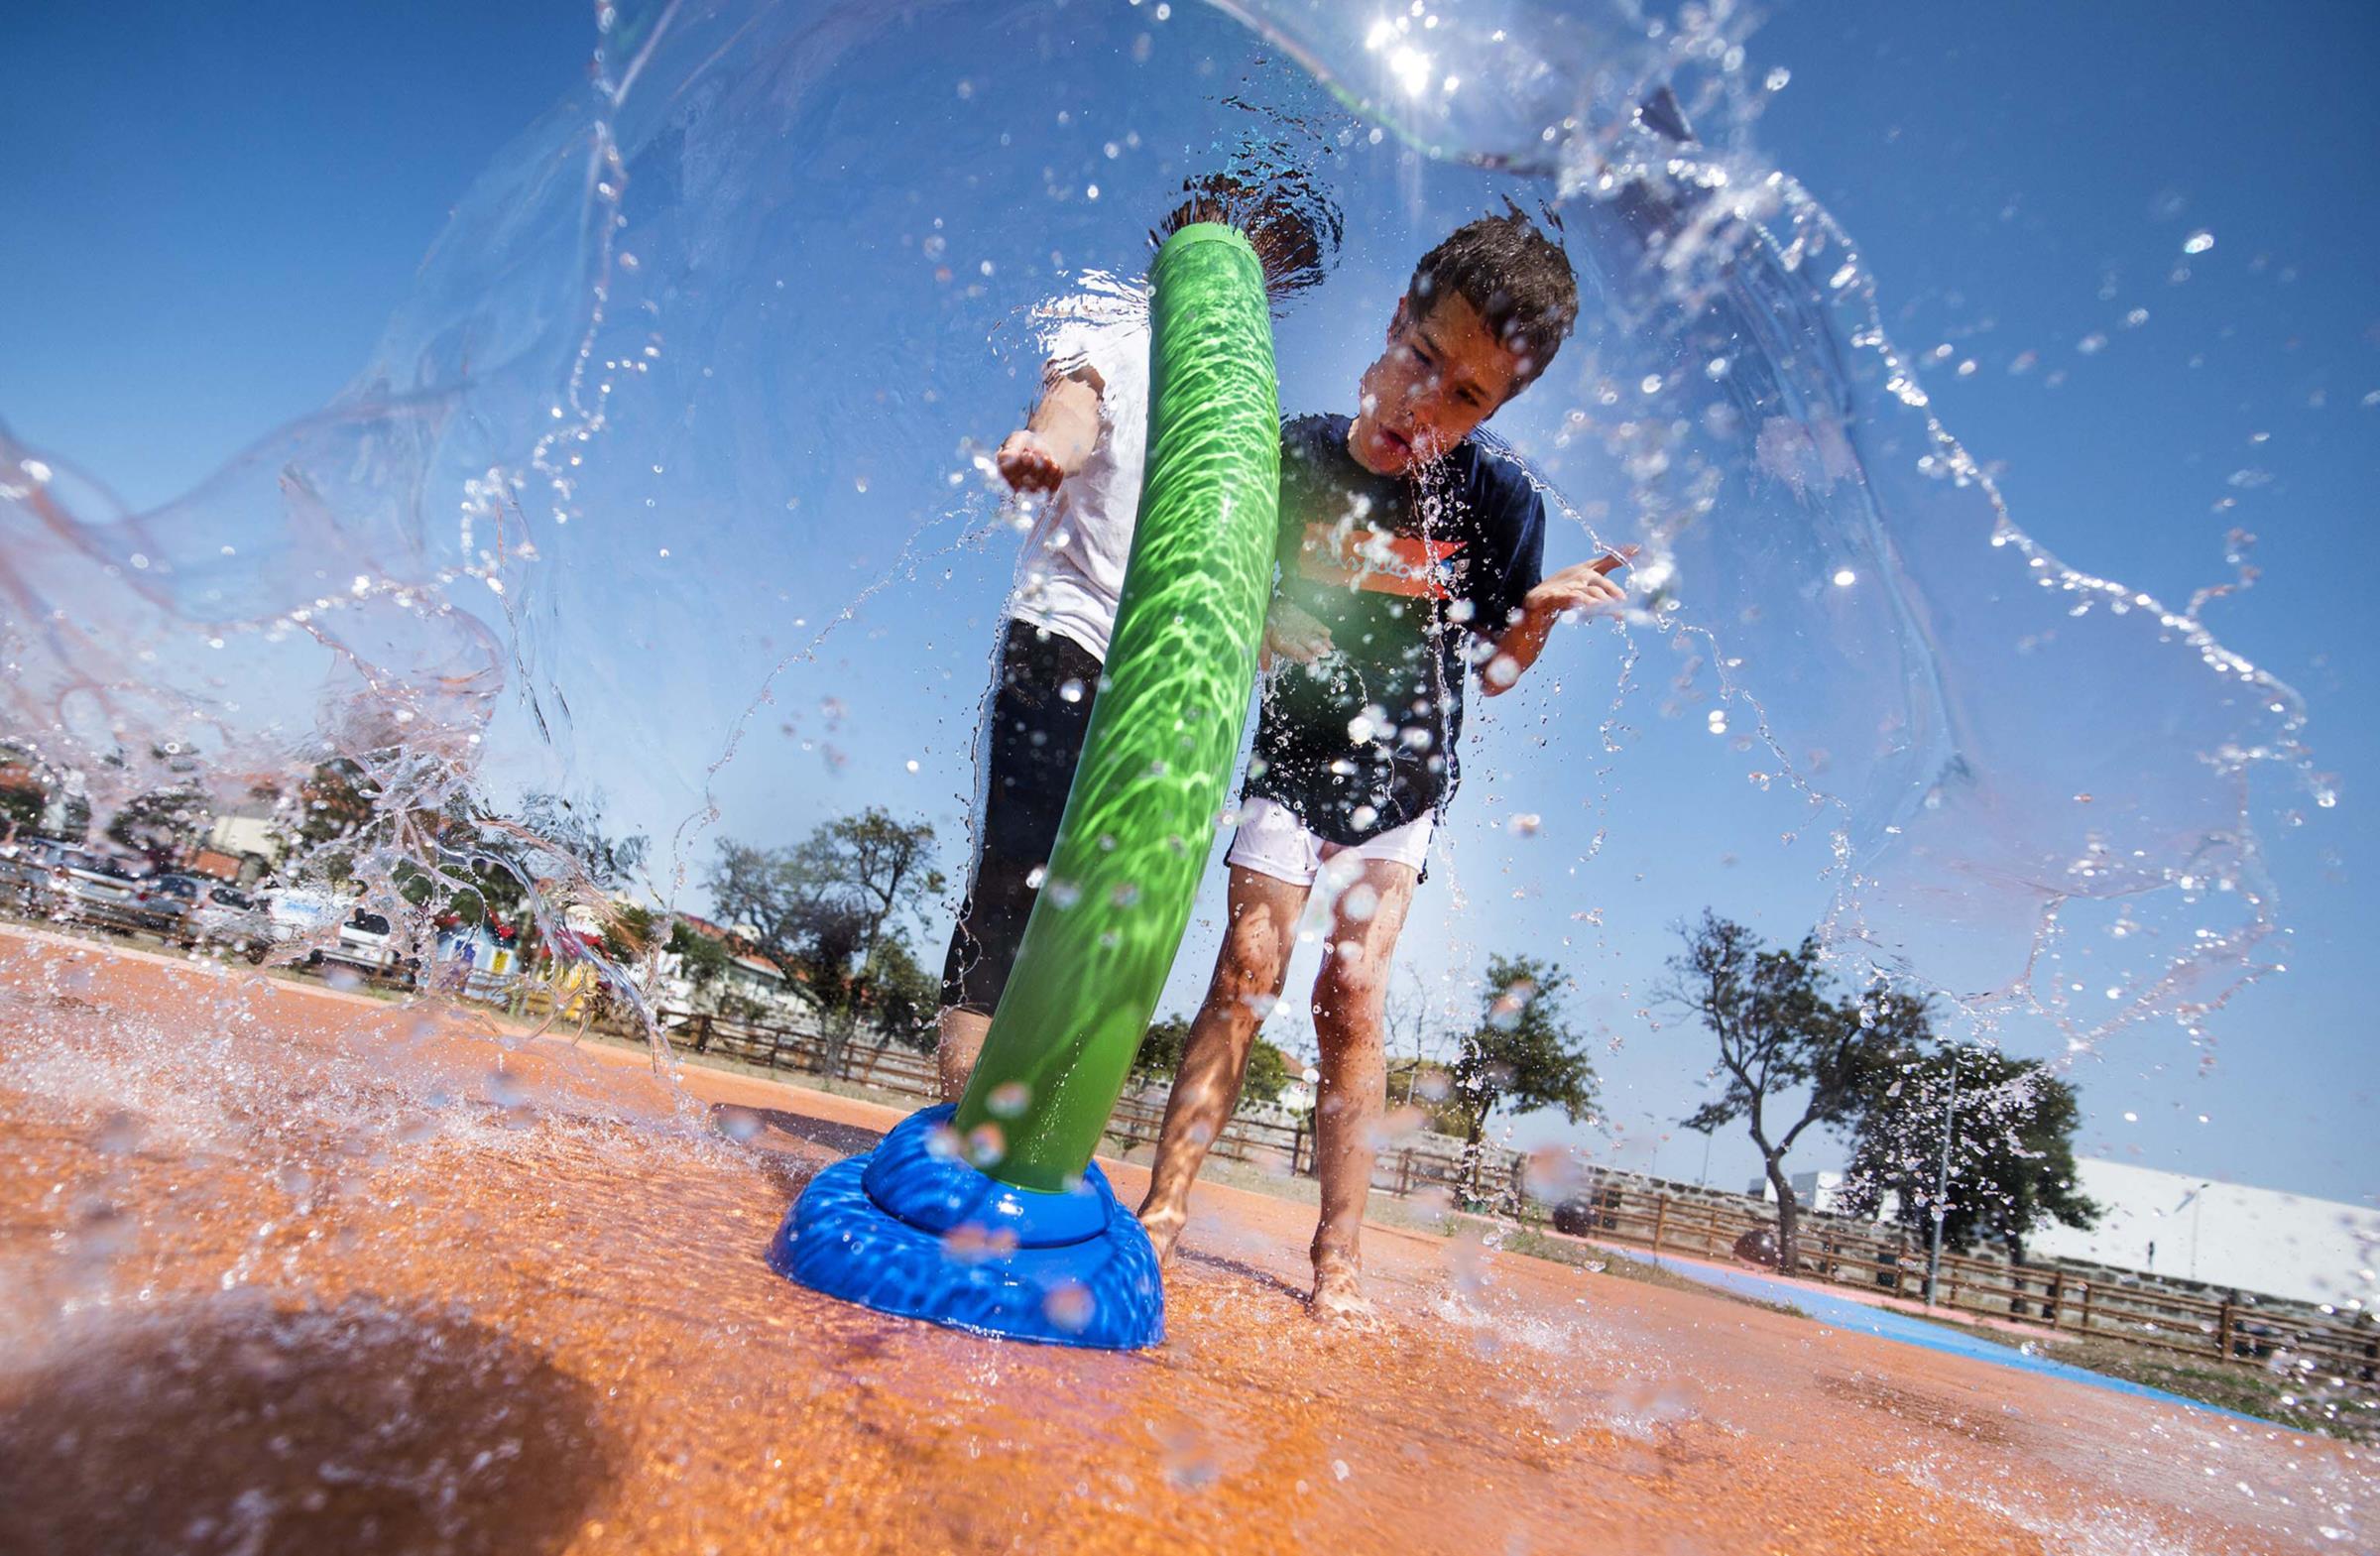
x=897, y=995
x=701, y=959
x=1161, y=1049
x=627, y=931
x=1268, y=1073
x=2012, y=1148
x=1160, y=1056
x=160, y=824
x=1430, y=1086
x=1520, y=1054
x=336, y=802
x=21, y=807
x=576, y=829
x=832, y=907
x=1790, y=1055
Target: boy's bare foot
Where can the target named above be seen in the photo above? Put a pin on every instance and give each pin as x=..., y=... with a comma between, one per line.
x=1164, y=1229
x=1339, y=1293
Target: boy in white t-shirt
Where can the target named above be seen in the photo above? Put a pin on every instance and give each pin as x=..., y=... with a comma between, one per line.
x=1083, y=445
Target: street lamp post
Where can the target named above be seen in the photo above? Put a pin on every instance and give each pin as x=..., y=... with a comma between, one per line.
x=1941, y=1182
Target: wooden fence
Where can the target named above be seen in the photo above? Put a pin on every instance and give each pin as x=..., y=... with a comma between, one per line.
x=1263, y=1143
x=2327, y=1351
x=2323, y=1349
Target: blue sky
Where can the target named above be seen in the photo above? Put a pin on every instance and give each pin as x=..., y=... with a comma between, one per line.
x=220, y=212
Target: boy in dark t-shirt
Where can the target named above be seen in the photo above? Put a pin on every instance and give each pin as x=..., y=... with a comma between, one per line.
x=1408, y=553
x=1362, y=740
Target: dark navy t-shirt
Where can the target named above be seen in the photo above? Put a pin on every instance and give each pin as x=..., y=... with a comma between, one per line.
x=1407, y=572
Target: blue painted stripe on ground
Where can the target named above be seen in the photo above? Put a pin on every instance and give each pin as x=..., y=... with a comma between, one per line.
x=1887, y=1324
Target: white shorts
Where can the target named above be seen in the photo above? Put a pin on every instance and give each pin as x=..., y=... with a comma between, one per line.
x=1273, y=842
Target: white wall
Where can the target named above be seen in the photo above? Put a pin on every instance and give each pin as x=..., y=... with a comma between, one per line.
x=1812, y=1190
x=2225, y=1234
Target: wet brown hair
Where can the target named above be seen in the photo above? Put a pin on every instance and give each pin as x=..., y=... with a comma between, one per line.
x=1519, y=281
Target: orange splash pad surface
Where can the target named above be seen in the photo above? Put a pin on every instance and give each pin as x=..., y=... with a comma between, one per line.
x=284, y=1269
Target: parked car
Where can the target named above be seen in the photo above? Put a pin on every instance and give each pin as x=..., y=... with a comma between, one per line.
x=161, y=902
x=24, y=866
x=218, y=915
x=361, y=939
x=305, y=916
x=105, y=890
x=364, y=941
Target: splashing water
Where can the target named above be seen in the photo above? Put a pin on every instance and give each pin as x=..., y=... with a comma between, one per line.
x=680, y=435
x=665, y=508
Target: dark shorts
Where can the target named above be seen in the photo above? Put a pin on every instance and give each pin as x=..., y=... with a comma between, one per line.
x=1027, y=749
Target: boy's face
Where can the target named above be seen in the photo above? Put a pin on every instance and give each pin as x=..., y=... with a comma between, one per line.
x=1443, y=374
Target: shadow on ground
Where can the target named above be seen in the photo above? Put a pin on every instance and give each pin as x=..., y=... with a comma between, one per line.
x=227, y=1424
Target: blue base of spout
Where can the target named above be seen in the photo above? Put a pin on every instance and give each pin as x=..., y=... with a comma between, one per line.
x=911, y=1229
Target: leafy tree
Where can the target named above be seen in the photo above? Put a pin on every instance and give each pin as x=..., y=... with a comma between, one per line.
x=336, y=802
x=1161, y=1048
x=24, y=789
x=1268, y=1073
x=577, y=829
x=702, y=959
x=2012, y=1149
x=1430, y=1086
x=832, y=907
x=159, y=823
x=20, y=807
x=1520, y=1053
x=627, y=931
x=900, y=997
x=1790, y=1054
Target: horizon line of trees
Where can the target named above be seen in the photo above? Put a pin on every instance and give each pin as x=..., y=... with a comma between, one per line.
x=1934, y=1127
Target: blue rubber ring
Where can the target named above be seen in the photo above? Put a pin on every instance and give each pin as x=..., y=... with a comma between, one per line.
x=910, y=1230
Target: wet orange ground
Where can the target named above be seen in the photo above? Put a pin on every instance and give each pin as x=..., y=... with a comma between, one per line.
x=283, y=1269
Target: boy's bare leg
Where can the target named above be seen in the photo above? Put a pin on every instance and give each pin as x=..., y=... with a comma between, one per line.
x=1349, y=996
x=1248, y=979
x=960, y=1040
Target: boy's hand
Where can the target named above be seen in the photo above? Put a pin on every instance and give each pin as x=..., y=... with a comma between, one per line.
x=1584, y=587
x=1027, y=463
x=1293, y=634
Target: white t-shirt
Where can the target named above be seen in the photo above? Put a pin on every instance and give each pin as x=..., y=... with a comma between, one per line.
x=1070, y=575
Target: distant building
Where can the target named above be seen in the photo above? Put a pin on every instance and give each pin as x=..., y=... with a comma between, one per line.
x=248, y=833
x=2189, y=1228
x=749, y=982
x=1814, y=1190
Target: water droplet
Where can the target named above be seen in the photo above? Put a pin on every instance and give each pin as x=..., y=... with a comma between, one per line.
x=120, y=1133
x=970, y=1243
x=1070, y=1307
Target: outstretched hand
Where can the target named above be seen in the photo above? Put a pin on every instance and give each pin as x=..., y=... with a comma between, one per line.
x=1585, y=587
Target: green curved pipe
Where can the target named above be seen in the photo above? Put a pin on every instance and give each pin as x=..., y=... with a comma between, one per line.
x=1163, y=733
